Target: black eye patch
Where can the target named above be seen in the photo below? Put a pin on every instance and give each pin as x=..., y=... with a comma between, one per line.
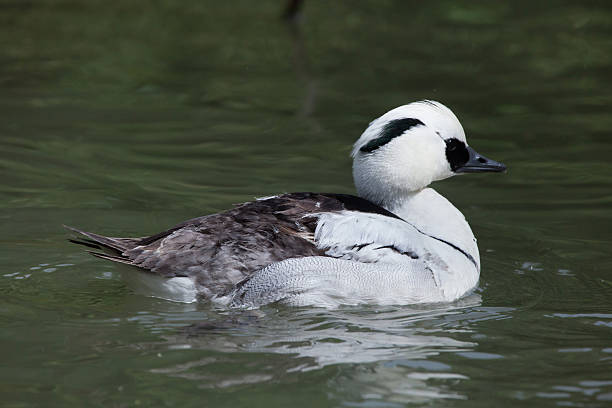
x=390, y=131
x=456, y=153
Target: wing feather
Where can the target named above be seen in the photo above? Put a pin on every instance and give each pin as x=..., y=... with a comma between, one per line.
x=220, y=250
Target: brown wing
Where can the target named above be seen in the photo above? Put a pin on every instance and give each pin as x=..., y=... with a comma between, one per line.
x=220, y=250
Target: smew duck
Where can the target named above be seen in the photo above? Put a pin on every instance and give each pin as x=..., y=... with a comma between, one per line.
x=396, y=242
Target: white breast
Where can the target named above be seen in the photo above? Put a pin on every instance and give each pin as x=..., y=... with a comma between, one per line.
x=434, y=215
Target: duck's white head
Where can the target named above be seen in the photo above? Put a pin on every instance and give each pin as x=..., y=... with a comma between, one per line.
x=409, y=147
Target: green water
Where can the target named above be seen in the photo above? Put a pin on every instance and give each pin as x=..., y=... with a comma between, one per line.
x=127, y=118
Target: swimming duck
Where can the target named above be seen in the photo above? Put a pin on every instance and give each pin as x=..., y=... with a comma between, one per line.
x=397, y=242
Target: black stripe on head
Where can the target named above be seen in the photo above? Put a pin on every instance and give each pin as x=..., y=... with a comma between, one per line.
x=456, y=153
x=391, y=130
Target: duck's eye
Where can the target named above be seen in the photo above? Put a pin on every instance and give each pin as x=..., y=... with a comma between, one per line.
x=456, y=153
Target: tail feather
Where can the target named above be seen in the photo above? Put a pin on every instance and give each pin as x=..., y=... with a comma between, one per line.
x=85, y=242
x=116, y=246
x=99, y=241
x=114, y=258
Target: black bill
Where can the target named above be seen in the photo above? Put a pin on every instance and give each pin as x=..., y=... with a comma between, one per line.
x=477, y=163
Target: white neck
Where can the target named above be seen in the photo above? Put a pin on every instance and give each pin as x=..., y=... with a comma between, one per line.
x=434, y=215
x=385, y=195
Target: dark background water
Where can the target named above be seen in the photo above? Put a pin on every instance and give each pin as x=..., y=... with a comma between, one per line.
x=125, y=118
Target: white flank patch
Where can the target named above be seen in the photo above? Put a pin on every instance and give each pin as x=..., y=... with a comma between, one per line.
x=180, y=289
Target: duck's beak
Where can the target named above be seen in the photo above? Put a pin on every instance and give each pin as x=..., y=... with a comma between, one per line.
x=477, y=163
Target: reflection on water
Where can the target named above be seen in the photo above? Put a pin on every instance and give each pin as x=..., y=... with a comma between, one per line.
x=333, y=337
x=396, y=344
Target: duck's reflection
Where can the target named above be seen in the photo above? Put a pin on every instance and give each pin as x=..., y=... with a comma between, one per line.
x=379, y=354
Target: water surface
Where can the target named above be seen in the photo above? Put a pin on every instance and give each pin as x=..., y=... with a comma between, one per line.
x=128, y=118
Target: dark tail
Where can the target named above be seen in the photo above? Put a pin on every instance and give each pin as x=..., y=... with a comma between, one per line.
x=118, y=245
